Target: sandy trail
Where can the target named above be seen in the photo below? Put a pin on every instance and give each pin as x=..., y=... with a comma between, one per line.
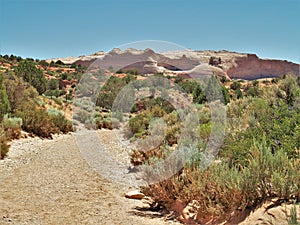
x=49, y=182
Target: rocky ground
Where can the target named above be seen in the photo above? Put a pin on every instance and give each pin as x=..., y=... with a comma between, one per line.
x=49, y=182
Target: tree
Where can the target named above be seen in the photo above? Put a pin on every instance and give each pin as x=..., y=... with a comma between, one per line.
x=253, y=91
x=288, y=90
x=198, y=95
x=213, y=90
x=238, y=93
x=53, y=84
x=226, y=95
x=59, y=62
x=18, y=92
x=43, y=63
x=214, y=61
x=4, y=102
x=31, y=74
x=235, y=86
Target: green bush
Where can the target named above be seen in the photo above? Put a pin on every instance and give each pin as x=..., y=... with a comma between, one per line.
x=139, y=123
x=39, y=122
x=253, y=91
x=235, y=85
x=4, y=101
x=12, y=127
x=4, y=147
x=31, y=74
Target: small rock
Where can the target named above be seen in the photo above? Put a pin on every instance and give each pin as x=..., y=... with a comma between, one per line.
x=189, y=213
x=136, y=194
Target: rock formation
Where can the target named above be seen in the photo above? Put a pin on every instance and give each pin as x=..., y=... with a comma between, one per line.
x=222, y=63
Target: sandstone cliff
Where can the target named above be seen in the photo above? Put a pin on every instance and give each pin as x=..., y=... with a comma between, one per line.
x=252, y=67
x=222, y=63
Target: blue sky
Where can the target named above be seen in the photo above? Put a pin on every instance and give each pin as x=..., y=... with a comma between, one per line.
x=60, y=28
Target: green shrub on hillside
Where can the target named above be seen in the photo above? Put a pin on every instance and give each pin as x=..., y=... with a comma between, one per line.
x=109, y=91
x=39, y=122
x=31, y=74
x=4, y=101
x=4, y=147
x=259, y=160
x=12, y=127
x=235, y=85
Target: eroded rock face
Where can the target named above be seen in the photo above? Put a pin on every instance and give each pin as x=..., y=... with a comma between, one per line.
x=277, y=214
x=252, y=67
x=230, y=64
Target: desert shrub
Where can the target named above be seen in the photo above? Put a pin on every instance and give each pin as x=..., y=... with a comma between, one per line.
x=132, y=72
x=238, y=93
x=12, y=127
x=43, y=63
x=139, y=123
x=118, y=115
x=150, y=103
x=254, y=118
x=198, y=95
x=107, y=123
x=214, y=61
x=98, y=122
x=226, y=95
x=288, y=90
x=172, y=134
x=4, y=101
x=110, y=90
x=58, y=101
x=82, y=115
x=189, y=85
x=140, y=157
x=4, y=147
x=60, y=121
x=52, y=93
x=255, y=83
x=253, y=91
x=53, y=84
x=39, y=122
x=173, y=128
x=31, y=74
x=235, y=85
x=222, y=189
x=18, y=92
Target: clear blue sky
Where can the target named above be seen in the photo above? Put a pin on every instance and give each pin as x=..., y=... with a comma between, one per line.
x=60, y=28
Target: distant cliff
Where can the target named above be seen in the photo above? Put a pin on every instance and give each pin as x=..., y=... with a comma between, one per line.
x=252, y=67
x=223, y=63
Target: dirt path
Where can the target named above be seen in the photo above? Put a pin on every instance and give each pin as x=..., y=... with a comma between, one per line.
x=49, y=182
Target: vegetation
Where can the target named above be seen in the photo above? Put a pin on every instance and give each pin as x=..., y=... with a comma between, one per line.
x=22, y=105
x=110, y=90
x=259, y=159
x=31, y=74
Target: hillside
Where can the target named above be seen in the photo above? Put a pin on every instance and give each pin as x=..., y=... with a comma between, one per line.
x=223, y=63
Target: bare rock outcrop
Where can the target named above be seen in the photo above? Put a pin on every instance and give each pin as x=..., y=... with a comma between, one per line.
x=222, y=63
x=252, y=67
